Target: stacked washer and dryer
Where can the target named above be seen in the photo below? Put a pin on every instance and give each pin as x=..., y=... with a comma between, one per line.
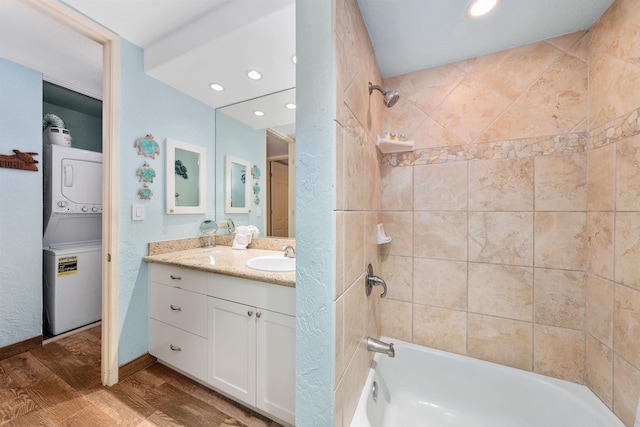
x=72, y=240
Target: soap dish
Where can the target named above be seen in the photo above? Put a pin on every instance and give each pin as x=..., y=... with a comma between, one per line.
x=382, y=238
x=387, y=145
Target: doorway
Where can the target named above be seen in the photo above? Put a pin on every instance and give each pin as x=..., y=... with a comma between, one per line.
x=280, y=185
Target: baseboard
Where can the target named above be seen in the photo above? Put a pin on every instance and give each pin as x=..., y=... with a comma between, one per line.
x=20, y=347
x=136, y=365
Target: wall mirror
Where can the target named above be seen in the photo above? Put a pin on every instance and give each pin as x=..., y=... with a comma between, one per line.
x=186, y=178
x=267, y=142
x=237, y=185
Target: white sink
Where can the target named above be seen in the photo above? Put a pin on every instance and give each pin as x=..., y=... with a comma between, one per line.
x=276, y=263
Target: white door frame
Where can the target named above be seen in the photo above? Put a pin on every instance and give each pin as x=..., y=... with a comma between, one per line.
x=110, y=171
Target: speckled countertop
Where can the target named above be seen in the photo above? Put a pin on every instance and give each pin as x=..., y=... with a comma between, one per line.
x=224, y=260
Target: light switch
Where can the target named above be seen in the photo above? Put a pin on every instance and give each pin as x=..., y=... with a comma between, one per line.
x=258, y=211
x=137, y=212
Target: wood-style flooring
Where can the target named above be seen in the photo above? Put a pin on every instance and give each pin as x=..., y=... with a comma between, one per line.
x=58, y=384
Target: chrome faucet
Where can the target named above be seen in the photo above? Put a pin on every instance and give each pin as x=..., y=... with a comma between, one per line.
x=289, y=251
x=380, y=347
x=371, y=281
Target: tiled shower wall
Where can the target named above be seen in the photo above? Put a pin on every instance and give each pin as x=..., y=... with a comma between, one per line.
x=357, y=206
x=516, y=219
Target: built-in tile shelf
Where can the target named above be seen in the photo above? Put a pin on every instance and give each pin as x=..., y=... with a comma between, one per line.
x=388, y=145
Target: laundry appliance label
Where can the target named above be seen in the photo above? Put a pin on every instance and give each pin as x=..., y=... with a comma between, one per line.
x=67, y=265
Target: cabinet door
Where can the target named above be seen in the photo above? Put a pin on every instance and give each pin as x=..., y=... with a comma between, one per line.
x=276, y=364
x=232, y=349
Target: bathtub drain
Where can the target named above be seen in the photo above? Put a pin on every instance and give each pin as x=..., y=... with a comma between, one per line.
x=374, y=391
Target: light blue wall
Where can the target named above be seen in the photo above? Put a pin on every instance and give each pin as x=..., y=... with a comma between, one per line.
x=315, y=216
x=86, y=130
x=239, y=140
x=20, y=205
x=150, y=106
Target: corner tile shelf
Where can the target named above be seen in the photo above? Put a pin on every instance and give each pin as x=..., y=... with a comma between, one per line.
x=386, y=145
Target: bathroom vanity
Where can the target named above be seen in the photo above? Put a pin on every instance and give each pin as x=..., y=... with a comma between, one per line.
x=229, y=327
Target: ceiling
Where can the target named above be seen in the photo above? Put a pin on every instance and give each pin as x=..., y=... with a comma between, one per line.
x=191, y=43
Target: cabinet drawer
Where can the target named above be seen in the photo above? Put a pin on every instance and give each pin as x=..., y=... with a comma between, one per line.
x=184, y=278
x=281, y=299
x=178, y=348
x=183, y=309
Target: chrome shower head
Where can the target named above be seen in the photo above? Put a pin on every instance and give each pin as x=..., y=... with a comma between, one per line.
x=391, y=96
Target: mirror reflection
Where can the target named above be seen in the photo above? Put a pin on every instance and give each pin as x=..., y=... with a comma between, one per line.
x=267, y=143
x=185, y=178
x=237, y=191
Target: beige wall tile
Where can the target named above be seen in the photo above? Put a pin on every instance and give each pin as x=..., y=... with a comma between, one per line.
x=340, y=160
x=340, y=84
x=353, y=176
x=560, y=298
x=354, y=318
x=338, y=408
x=340, y=246
x=599, y=370
x=396, y=272
x=505, y=341
x=371, y=247
x=396, y=319
x=426, y=89
x=440, y=187
x=354, y=379
x=399, y=226
x=404, y=118
x=626, y=323
x=440, y=328
x=581, y=48
x=397, y=189
x=627, y=172
x=623, y=96
x=514, y=123
x=599, y=313
x=600, y=243
x=617, y=30
x=501, y=185
x=626, y=390
x=440, y=283
x=559, y=96
x=353, y=246
x=567, y=41
x=560, y=240
x=561, y=183
x=501, y=290
x=601, y=182
x=559, y=353
x=339, y=338
x=470, y=95
x=604, y=69
x=627, y=249
x=512, y=71
x=429, y=134
x=441, y=235
x=501, y=237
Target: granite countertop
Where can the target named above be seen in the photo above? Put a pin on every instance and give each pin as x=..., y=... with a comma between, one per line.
x=224, y=260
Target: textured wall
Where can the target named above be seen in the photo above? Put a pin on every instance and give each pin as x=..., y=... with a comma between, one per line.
x=358, y=187
x=149, y=106
x=21, y=207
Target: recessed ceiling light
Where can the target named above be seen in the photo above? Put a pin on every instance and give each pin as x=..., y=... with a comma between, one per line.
x=258, y=113
x=294, y=59
x=481, y=7
x=216, y=86
x=254, y=75
x=290, y=105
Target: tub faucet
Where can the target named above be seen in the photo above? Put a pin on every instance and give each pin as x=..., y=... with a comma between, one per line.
x=371, y=281
x=289, y=251
x=380, y=347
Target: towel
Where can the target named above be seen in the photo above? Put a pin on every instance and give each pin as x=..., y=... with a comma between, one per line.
x=637, y=424
x=242, y=238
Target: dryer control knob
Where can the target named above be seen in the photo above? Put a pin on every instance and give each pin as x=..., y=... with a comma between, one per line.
x=85, y=209
x=94, y=209
x=62, y=204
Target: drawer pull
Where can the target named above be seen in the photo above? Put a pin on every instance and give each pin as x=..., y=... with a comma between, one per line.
x=175, y=277
x=249, y=313
x=174, y=348
x=174, y=308
x=258, y=314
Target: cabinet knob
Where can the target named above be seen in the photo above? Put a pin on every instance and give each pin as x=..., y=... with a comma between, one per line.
x=175, y=277
x=249, y=313
x=174, y=308
x=258, y=314
x=174, y=348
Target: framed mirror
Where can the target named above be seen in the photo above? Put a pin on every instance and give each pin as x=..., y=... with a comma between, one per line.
x=186, y=178
x=237, y=197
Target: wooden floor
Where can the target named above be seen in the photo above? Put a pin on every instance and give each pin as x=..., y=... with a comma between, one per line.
x=59, y=385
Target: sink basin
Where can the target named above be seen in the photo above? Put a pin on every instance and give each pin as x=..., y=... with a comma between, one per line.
x=276, y=263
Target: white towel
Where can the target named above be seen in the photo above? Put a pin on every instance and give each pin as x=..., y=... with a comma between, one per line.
x=638, y=415
x=242, y=238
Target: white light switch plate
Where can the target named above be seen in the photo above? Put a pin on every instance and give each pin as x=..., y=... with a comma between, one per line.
x=137, y=212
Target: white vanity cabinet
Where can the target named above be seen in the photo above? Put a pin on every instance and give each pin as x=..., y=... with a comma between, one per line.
x=178, y=318
x=252, y=343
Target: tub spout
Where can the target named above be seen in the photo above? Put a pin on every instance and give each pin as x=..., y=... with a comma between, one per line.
x=380, y=347
x=371, y=281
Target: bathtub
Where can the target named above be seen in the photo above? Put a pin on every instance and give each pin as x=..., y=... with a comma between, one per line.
x=426, y=387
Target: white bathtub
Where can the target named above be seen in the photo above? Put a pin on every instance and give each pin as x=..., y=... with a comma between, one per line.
x=426, y=387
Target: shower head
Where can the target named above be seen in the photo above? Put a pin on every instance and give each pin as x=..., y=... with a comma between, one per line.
x=390, y=96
